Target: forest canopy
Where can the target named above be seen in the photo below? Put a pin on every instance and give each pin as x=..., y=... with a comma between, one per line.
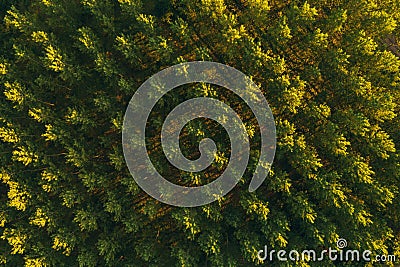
x=328, y=69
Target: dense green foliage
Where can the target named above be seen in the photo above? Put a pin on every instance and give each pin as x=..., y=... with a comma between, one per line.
x=69, y=67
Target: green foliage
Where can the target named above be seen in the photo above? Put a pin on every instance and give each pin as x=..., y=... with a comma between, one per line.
x=69, y=68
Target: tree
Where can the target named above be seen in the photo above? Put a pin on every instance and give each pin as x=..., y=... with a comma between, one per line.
x=69, y=68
